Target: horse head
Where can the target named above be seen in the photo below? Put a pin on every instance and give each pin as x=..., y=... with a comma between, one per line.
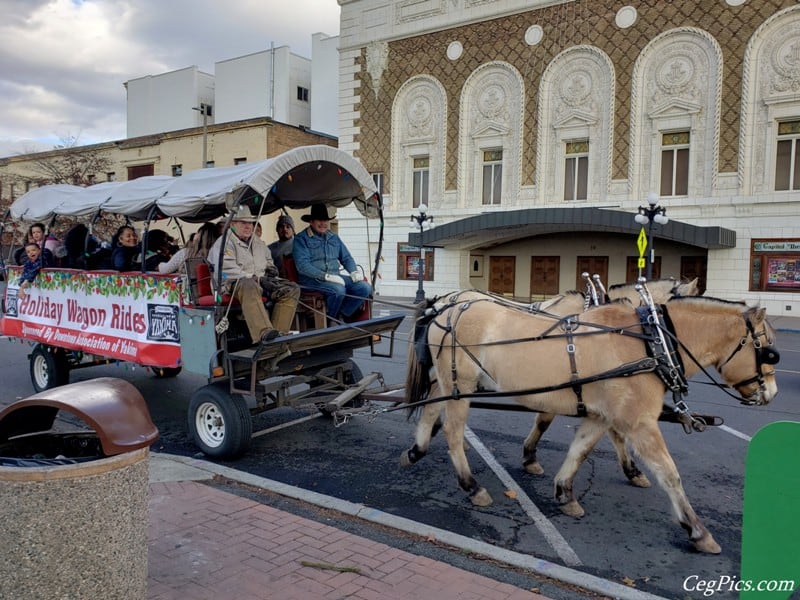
x=686, y=288
x=753, y=372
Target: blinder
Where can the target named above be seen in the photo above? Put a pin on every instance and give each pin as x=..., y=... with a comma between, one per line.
x=768, y=355
x=764, y=355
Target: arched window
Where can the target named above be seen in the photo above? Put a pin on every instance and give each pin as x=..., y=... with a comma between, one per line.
x=769, y=156
x=675, y=106
x=573, y=159
x=419, y=118
x=490, y=136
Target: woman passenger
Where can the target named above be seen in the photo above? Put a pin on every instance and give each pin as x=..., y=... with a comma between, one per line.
x=197, y=247
x=125, y=244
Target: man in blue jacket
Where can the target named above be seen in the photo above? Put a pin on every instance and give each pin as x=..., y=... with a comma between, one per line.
x=318, y=254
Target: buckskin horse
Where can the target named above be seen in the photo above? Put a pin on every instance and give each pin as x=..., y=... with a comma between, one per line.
x=603, y=364
x=659, y=290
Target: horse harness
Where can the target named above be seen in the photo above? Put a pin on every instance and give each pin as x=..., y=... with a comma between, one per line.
x=658, y=335
x=568, y=325
x=765, y=355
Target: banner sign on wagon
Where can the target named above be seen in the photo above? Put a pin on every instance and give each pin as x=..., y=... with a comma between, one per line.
x=126, y=316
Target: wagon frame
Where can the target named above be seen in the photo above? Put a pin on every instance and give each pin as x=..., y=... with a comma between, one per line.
x=314, y=368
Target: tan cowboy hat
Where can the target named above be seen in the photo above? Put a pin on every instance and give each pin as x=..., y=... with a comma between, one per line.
x=245, y=218
x=319, y=212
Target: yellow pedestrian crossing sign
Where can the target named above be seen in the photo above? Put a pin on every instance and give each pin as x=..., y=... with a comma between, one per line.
x=641, y=243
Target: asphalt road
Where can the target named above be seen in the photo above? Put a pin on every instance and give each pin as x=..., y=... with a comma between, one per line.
x=628, y=534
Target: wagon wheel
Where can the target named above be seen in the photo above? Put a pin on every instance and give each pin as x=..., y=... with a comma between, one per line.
x=219, y=421
x=352, y=375
x=49, y=368
x=166, y=372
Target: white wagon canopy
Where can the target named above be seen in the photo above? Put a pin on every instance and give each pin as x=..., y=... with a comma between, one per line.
x=295, y=179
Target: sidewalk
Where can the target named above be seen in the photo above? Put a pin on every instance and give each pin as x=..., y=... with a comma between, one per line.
x=206, y=543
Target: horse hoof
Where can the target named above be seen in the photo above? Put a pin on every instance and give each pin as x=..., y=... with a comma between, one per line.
x=534, y=468
x=573, y=509
x=405, y=461
x=640, y=481
x=707, y=544
x=481, y=498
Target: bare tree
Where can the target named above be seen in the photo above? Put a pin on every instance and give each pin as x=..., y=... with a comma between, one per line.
x=67, y=163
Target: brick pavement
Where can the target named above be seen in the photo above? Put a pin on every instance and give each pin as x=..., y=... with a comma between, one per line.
x=205, y=543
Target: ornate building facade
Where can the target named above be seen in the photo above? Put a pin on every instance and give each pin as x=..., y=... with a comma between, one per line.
x=534, y=130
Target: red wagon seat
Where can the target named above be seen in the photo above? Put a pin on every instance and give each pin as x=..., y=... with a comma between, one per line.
x=205, y=291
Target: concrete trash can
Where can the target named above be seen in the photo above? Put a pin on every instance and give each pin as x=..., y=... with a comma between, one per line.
x=74, y=504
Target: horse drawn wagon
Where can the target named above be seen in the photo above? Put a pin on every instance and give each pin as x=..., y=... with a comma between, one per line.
x=78, y=318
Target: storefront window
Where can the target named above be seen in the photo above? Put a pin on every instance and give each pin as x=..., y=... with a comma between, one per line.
x=775, y=265
x=408, y=263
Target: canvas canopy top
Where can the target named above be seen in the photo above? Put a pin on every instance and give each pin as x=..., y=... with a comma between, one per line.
x=295, y=179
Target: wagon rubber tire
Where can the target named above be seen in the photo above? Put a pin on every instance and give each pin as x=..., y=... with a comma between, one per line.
x=49, y=368
x=354, y=375
x=166, y=372
x=220, y=422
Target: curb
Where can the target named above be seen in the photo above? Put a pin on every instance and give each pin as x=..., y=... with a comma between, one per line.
x=531, y=563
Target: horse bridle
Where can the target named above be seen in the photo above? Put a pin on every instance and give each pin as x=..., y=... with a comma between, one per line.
x=764, y=354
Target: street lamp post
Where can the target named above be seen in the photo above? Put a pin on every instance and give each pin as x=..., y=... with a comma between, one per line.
x=419, y=222
x=205, y=110
x=647, y=215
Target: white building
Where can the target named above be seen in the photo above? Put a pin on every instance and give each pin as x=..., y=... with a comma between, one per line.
x=274, y=83
x=164, y=102
x=534, y=130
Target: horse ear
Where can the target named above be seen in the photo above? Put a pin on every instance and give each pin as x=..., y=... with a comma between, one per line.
x=693, y=287
x=760, y=314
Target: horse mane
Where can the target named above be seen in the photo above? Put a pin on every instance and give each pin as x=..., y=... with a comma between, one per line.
x=708, y=300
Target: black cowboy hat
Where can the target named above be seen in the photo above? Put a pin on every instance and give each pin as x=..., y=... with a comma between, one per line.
x=319, y=212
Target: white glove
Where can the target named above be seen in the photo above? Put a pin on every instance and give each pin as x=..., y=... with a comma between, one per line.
x=334, y=279
x=356, y=276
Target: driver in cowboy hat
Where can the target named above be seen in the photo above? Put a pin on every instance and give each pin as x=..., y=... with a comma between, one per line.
x=249, y=272
x=318, y=254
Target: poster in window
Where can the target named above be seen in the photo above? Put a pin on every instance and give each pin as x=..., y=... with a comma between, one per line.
x=412, y=267
x=783, y=272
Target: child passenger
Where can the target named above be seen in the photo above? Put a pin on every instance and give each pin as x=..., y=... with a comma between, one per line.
x=36, y=261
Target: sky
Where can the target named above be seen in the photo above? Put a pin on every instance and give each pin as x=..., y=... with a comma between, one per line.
x=63, y=63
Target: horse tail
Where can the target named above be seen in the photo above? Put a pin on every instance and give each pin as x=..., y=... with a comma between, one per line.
x=420, y=360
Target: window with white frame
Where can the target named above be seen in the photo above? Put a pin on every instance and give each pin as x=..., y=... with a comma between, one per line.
x=421, y=171
x=787, y=159
x=576, y=170
x=492, y=176
x=675, y=163
x=378, y=179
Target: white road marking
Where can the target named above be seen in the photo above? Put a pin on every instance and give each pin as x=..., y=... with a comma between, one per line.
x=736, y=433
x=547, y=529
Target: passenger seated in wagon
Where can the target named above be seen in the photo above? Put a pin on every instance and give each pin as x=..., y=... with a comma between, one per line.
x=36, y=261
x=125, y=249
x=198, y=247
x=160, y=248
x=248, y=272
x=318, y=254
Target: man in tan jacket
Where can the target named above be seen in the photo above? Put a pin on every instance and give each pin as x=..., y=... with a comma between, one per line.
x=248, y=272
